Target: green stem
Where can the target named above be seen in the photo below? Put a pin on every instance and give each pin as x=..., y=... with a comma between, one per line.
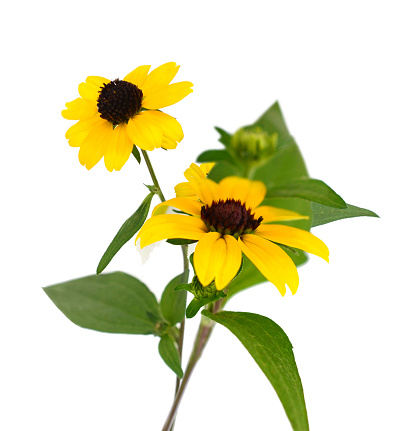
x=185, y=261
x=204, y=332
x=153, y=176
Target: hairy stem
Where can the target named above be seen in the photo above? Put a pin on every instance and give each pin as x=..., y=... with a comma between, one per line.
x=204, y=332
x=185, y=259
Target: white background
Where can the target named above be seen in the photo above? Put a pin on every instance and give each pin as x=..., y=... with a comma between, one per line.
x=333, y=67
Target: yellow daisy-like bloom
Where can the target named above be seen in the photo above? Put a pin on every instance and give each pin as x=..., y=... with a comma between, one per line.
x=226, y=220
x=116, y=115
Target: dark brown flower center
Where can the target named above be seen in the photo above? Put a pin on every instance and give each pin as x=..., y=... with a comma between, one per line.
x=119, y=101
x=229, y=217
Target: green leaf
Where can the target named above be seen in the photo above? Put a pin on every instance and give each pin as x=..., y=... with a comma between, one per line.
x=136, y=154
x=224, y=169
x=193, y=308
x=173, y=303
x=271, y=349
x=309, y=189
x=196, y=304
x=215, y=156
x=287, y=163
x=323, y=214
x=126, y=232
x=273, y=121
x=225, y=138
x=180, y=241
x=168, y=351
x=116, y=303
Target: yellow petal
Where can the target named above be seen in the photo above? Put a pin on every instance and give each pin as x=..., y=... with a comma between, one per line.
x=231, y=264
x=294, y=237
x=79, y=131
x=170, y=127
x=271, y=261
x=168, y=95
x=167, y=144
x=118, y=149
x=79, y=109
x=91, y=88
x=189, y=206
x=144, y=133
x=194, y=171
x=250, y=193
x=93, y=147
x=209, y=256
x=270, y=214
x=159, y=77
x=138, y=75
x=169, y=226
x=206, y=190
x=184, y=190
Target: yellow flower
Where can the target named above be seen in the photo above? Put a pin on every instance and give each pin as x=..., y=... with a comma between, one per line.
x=116, y=115
x=227, y=221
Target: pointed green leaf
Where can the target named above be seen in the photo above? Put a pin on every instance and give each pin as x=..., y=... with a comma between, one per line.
x=180, y=241
x=168, y=352
x=309, y=189
x=216, y=156
x=193, y=308
x=273, y=121
x=116, y=303
x=225, y=138
x=126, y=232
x=271, y=349
x=173, y=303
x=197, y=303
x=136, y=154
x=323, y=214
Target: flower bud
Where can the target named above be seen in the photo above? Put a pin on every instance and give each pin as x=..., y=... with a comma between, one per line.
x=253, y=146
x=202, y=292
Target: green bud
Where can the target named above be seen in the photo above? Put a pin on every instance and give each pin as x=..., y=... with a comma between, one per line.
x=252, y=145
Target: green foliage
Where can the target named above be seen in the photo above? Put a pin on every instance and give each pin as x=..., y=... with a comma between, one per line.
x=197, y=303
x=271, y=349
x=203, y=295
x=309, y=189
x=272, y=121
x=136, y=154
x=173, y=303
x=323, y=214
x=168, y=352
x=115, y=302
x=224, y=138
x=126, y=232
x=180, y=241
x=215, y=156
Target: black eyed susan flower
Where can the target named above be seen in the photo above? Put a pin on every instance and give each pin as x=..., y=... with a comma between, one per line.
x=113, y=116
x=227, y=220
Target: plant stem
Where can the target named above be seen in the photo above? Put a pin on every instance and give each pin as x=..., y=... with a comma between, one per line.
x=203, y=335
x=185, y=260
x=153, y=176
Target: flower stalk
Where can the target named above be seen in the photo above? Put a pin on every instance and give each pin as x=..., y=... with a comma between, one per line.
x=203, y=334
x=153, y=176
x=184, y=248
